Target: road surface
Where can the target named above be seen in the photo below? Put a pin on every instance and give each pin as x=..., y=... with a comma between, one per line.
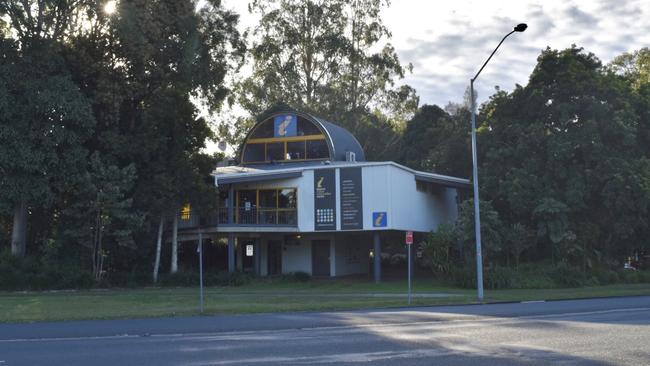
x=614, y=331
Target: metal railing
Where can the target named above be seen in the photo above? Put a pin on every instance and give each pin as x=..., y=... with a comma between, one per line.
x=241, y=216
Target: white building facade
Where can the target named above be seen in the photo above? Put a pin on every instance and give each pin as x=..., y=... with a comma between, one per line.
x=302, y=198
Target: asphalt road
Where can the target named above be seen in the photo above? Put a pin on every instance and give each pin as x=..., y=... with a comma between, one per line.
x=581, y=332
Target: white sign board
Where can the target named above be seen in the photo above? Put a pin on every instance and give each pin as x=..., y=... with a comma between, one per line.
x=249, y=250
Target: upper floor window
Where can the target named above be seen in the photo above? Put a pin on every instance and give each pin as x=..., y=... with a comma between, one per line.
x=285, y=137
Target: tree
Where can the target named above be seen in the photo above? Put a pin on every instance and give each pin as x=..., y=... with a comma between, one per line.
x=101, y=215
x=44, y=122
x=436, y=141
x=562, y=154
x=325, y=57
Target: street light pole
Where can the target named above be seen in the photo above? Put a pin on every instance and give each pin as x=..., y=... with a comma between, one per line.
x=477, y=217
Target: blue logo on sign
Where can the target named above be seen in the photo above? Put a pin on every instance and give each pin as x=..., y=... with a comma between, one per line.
x=285, y=125
x=379, y=219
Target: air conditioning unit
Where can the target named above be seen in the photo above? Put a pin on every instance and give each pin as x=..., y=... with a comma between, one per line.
x=350, y=156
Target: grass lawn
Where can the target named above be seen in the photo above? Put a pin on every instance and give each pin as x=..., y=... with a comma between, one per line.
x=263, y=296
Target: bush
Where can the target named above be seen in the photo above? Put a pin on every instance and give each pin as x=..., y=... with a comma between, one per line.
x=191, y=278
x=301, y=276
x=32, y=274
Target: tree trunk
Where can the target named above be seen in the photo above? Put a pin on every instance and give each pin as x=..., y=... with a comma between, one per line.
x=158, y=248
x=174, y=266
x=19, y=230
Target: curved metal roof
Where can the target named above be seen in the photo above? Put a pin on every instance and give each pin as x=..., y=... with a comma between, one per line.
x=339, y=140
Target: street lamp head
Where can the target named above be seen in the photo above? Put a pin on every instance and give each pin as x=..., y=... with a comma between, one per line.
x=521, y=27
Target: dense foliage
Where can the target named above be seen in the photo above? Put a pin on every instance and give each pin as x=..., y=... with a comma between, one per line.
x=101, y=135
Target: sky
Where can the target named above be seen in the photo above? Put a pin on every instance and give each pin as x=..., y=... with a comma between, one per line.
x=448, y=41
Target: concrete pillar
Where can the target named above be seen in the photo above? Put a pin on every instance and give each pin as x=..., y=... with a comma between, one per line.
x=377, y=255
x=257, y=257
x=231, y=204
x=231, y=252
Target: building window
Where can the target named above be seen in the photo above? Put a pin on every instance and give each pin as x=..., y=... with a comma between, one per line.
x=317, y=149
x=296, y=150
x=254, y=153
x=275, y=151
x=186, y=212
x=264, y=145
x=276, y=206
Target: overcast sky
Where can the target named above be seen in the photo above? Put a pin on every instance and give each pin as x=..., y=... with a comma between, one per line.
x=447, y=41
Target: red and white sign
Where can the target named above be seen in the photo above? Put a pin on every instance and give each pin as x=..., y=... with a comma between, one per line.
x=409, y=237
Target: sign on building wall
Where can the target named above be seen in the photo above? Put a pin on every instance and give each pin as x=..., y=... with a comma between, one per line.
x=379, y=219
x=324, y=200
x=351, y=199
x=285, y=125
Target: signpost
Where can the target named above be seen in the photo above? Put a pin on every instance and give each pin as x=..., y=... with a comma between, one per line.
x=409, y=244
x=200, y=250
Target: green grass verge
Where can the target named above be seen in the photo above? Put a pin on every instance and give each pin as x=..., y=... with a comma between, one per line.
x=262, y=296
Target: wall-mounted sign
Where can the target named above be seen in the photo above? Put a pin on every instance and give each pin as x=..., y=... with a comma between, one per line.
x=379, y=219
x=249, y=250
x=351, y=199
x=285, y=125
x=324, y=200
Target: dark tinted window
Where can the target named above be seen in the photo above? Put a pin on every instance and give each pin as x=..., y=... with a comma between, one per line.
x=287, y=198
x=306, y=128
x=317, y=149
x=253, y=153
x=268, y=198
x=296, y=150
x=265, y=129
x=275, y=151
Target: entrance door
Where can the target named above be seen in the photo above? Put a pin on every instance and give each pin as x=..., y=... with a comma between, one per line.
x=320, y=258
x=274, y=255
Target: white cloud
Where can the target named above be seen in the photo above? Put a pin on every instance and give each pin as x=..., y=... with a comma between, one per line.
x=447, y=42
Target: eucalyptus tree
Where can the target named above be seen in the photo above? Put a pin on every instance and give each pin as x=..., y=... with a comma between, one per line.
x=44, y=119
x=330, y=58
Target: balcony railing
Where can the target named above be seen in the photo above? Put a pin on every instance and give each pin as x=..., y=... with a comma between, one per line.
x=242, y=216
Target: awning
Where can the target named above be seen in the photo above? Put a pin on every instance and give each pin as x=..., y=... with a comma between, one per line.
x=443, y=180
x=255, y=177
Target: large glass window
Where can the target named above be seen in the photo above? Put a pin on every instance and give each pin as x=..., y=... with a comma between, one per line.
x=264, y=146
x=247, y=206
x=267, y=206
x=254, y=153
x=317, y=149
x=263, y=130
x=275, y=151
x=296, y=150
x=307, y=128
x=287, y=198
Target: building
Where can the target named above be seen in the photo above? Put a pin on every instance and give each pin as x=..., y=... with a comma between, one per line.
x=304, y=198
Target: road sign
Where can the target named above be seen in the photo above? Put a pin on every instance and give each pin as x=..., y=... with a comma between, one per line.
x=409, y=237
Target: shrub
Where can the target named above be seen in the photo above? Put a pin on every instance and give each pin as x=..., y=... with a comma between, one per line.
x=32, y=274
x=301, y=276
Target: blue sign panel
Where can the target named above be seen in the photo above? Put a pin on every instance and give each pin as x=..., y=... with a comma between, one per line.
x=285, y=125
x=379, y=219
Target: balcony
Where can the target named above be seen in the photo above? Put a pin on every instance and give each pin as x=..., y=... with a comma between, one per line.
x=242, y=217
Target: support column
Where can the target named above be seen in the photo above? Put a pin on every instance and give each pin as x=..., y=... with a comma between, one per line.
x=231, y=205
x=231, y=252
x=257, y=257
x=377, y=256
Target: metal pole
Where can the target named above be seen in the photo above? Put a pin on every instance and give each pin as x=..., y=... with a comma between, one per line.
x=477, y=216
x=409, y=266
x=200, y=250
